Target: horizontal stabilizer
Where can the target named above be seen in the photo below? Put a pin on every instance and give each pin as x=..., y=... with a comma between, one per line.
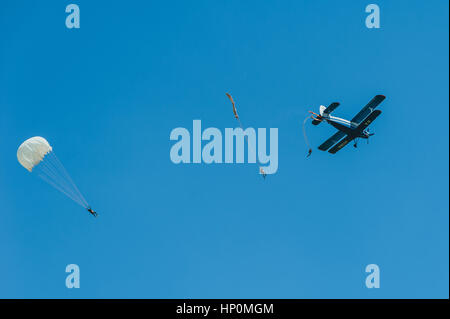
x=330, y=108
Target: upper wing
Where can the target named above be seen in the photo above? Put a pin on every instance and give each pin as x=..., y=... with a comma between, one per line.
x=366, y=110
x=331, y=108
x=372, y=116
x=341, y=144
x=330, y=142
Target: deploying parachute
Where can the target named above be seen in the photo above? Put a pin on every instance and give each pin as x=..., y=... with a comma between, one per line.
x=37, y=156
x=261, y=171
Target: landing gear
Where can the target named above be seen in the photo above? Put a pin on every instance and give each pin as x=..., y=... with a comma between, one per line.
x=355, y=145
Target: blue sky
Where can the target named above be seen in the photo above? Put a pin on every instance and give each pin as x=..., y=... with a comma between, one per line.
x=107, y=95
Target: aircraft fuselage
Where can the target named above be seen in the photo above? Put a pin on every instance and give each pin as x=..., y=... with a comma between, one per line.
x=346, y=126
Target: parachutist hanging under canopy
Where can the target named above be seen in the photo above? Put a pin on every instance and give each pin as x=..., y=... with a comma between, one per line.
x=89, y=209
x=37, y=156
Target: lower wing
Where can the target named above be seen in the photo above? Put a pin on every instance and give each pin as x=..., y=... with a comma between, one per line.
x=341, y=144
x=330, y=142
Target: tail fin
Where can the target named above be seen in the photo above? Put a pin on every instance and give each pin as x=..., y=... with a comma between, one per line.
x=322, y=109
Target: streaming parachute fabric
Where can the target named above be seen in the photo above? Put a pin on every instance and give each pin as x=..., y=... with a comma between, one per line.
x=37, y=156
x=261, y=171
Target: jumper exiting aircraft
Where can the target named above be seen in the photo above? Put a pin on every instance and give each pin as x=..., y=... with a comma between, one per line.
x=352, y=130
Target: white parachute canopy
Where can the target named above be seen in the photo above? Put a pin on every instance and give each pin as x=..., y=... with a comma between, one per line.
x=37, y=156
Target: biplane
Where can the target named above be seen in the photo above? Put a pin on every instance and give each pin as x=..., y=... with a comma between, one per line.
x=348, y=131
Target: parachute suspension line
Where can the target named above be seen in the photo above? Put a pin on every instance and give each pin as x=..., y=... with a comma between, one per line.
x=66, y=177
x=74, y=186
x=51, y=170
x=261, y=171
x=56, y=175
x=242, y=128
x=49, y=176
x=63, y=169
x=240, y=124
x=57, y=180
x=47, y=180
x=305, y=136
x=44, y=168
